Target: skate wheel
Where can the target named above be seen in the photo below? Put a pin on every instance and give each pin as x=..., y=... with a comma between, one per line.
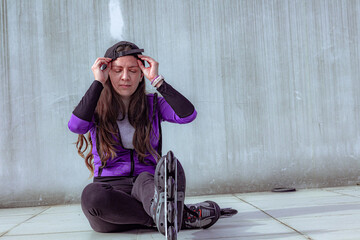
x=170, y=154
x=171, y=213
x=171, y=234
x=171, y=162
x=171, y=187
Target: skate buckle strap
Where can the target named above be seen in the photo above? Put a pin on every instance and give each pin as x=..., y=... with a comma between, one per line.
x=190, y=211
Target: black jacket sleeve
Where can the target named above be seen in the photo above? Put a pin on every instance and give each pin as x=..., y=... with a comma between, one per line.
x=86, y=107
x=182, y=106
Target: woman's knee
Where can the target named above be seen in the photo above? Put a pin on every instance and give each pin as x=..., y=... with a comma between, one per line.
x=95, y=194
x=144, y=177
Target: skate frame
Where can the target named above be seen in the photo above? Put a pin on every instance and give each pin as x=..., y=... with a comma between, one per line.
x=165, y=192
x=175, y=210
x=175, y=199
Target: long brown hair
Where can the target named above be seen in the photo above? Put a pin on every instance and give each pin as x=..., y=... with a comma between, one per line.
x=108, y=108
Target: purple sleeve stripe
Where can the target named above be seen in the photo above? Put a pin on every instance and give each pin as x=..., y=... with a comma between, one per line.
x=184, y=120
x=169, y=115
x=79, y=126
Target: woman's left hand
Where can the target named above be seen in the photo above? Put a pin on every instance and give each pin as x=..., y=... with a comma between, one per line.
x=152, y=71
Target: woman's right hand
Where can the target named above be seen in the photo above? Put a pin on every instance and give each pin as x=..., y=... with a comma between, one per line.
x=101, y=75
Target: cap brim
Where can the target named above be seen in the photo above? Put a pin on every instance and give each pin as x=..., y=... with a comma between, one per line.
x=129, y=52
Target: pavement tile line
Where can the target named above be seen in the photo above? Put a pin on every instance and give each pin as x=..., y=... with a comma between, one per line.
x=286, y=225
x=44, y=234
x=341, y=193
x=35, y=215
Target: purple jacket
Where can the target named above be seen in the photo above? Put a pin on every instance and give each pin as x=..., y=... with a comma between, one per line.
x=126, y=162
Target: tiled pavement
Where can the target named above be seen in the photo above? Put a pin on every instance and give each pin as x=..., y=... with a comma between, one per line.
x=327, y=213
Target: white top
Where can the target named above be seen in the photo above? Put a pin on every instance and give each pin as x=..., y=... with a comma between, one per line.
x=126, y=132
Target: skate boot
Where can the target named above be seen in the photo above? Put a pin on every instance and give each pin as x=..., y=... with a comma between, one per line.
x=168, y=203
x=201, y=215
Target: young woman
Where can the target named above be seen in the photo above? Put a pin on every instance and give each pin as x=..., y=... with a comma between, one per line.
x=123, y=145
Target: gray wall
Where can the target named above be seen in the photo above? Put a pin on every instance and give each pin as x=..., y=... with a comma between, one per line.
x=275, y=84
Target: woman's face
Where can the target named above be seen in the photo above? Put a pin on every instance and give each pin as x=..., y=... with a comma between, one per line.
x=125, y=75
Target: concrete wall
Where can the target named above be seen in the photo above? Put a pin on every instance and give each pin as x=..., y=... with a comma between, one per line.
x=275, y=84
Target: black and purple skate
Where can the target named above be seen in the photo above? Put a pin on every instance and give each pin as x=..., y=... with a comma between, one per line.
x=204, y=214
x=167, y=207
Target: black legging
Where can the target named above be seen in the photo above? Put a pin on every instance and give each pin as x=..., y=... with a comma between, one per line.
x=119, y=205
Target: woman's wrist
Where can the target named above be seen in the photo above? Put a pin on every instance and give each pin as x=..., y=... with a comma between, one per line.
x=159, y=84
x=157, y=81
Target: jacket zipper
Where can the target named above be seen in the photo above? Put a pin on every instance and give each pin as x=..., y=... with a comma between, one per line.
x=100, y=171
x=121, y=144
x=131, y=153
x=132, y=162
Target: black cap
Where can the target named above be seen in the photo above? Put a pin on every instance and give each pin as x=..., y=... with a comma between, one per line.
x=112, y=53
